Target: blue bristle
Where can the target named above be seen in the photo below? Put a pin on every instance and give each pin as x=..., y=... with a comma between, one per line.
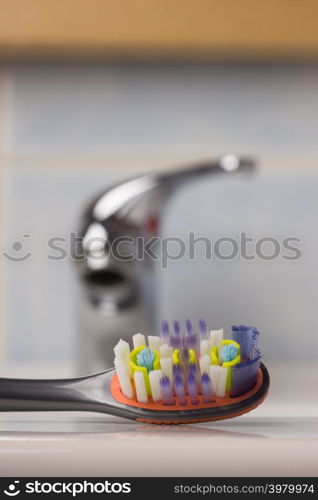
x=146, y=358
x=228, y=353
x=166, y=391
x=244, y=376
x=179, y=389
x=192, y=388
x=206, y=386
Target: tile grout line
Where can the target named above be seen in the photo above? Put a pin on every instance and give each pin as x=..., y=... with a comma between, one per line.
x=5, y=149
x=145, y=162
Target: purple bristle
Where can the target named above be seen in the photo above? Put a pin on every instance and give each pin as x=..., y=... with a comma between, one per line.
x=187, y=342
x=253, y=343
x=166, y=391
x=248, y=338
x=180, y=390
x=177, y=370
x=165, y=327
x=192, y=388
x=165, y=336
x=192, y=340
x=206, y=387
x=176, y=327
x=175, y=339
x=244, y=376
x=203, y=329
x=175, y=342
x=193, y=368
x=178, y=342
x=189, y=326
x=185, y=354
x=239, y=334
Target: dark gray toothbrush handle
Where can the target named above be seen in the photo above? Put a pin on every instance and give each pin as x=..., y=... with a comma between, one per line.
x=50, y=395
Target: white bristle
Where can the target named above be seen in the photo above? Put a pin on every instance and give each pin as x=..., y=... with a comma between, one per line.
x=214, y=376
x=154, y=378
x=166, y=367
x=140, y=386
x=220, y=337
x=205, y=347
x=139, y=340
x=154, y=342
x=213, y=338
x=165, y=351
x=205, y=363
x=124, y=378
x=221, y=385
x=216, y=337
x=122, y=351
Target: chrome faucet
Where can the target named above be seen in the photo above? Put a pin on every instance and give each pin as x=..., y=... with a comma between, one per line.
x=117, y=284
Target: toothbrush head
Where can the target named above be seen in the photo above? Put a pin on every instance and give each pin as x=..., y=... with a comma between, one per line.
x=205, y=385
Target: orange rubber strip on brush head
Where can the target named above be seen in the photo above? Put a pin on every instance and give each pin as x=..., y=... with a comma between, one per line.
x=218, y=403
x=202, y=419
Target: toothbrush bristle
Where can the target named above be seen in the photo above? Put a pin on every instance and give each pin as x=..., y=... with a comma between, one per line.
x=165, y=327
x=243, y=376
x=253, y=343
x=185, y=354
x=203, y=326
x=180, y=390
x=189, y=327
x=177, y=370
x=166, y=391
x=207, y=393
x=192, y=388
x=176, y=327
x=186, y=367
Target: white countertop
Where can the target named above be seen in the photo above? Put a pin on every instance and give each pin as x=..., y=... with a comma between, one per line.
x=279, y=438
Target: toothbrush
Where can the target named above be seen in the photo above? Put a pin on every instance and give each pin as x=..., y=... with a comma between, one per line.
x=146, y=387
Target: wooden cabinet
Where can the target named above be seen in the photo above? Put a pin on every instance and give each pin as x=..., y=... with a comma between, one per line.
x=159, y=28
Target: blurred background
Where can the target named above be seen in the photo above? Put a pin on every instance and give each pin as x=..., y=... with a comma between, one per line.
x=94, y=92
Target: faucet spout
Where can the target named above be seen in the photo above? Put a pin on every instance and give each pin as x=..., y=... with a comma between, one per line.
x=132, y=207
